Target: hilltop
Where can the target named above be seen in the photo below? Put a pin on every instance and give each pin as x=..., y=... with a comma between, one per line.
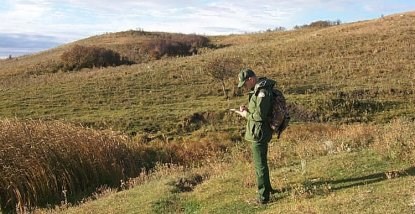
x=129, y=47
x=349, y=148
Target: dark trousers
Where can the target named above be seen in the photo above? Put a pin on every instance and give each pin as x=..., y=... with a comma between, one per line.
x=259, y=154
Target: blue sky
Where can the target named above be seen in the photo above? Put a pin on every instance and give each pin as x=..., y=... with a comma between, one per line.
x=29, y=26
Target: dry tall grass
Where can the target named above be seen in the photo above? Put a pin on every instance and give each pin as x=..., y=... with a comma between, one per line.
x=396, y=140
x=46, y=163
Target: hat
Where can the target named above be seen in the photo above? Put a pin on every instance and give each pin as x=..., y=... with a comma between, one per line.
x=244, y=74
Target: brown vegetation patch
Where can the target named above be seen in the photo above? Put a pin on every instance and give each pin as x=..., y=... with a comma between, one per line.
x=42, y=160
x=302, y=114
x=79, y=57
x=45, y=163
x=187, y=184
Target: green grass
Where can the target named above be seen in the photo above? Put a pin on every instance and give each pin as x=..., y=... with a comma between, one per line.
x=132, y=201
x=353, y=182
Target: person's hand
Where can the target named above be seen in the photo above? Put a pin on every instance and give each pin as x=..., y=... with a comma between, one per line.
x=243, y=108
x=244, y=113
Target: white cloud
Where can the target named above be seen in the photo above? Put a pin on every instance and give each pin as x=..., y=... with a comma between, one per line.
x=21, y=14
x=181, y=16
x=91, y=16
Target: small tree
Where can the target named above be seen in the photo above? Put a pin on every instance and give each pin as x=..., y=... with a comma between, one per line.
x=223, y=68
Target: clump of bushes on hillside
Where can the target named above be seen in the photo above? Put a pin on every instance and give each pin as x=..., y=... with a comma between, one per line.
x=79, y=57
x=174, y=45
x=319, y=24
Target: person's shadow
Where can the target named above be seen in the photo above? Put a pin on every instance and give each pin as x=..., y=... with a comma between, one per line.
x=356, y=181
x=369, y=179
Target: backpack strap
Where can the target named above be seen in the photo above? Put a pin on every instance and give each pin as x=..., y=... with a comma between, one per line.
x=260, y=85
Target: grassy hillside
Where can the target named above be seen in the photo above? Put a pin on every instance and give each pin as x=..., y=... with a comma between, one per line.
x=225, y=192
x=358, y=72
x=351, y=90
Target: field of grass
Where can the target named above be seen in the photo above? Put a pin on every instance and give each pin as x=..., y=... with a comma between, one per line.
x=351, y=90
x=228, y=191
x=359, y=177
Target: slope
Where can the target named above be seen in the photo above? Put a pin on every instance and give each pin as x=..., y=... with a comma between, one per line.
x=358, y=72
x=318, y=168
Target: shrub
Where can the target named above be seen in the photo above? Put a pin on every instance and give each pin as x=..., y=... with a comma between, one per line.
x=174, y=45
x=79, y=57
x=319, y=24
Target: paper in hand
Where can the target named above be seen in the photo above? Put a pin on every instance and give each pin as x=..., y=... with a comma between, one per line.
x=237, y=111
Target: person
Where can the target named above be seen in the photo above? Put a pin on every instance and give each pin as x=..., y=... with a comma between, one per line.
x=258, y=130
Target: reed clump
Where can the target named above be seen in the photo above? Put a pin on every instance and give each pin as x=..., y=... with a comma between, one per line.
x=46, y=163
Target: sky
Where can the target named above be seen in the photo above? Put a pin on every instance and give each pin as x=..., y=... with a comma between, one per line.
x=29, y=26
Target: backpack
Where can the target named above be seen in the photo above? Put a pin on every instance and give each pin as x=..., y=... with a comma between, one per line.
x=280, y=116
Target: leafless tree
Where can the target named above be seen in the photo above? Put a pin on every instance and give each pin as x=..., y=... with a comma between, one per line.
x=224, y=68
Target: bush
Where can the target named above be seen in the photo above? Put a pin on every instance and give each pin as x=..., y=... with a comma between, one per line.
x=79, y=57
x=174, y=45
x=320, y=24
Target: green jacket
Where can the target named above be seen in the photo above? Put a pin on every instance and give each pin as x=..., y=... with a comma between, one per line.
x=259, y=111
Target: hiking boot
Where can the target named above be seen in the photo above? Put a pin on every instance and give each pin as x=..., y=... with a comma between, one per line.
x=262, y=201
x=274, y=191
x=258, y=202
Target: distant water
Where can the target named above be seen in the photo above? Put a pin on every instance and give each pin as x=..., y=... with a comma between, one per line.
x=5, y=53
x=24, y=44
